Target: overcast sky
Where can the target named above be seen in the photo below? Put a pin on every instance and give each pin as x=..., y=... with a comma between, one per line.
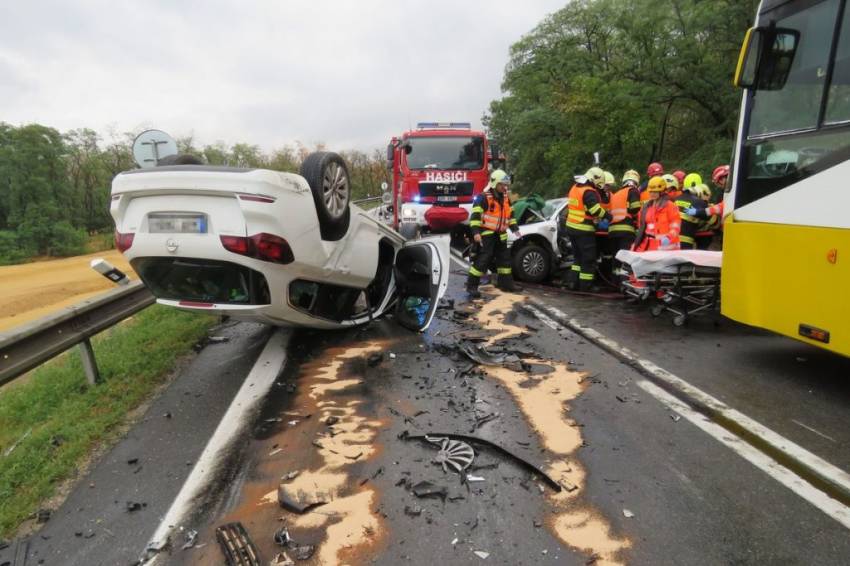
x=349, y=73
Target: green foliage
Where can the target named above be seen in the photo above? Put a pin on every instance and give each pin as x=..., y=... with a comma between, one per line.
x=56, y=418
x=636, y=80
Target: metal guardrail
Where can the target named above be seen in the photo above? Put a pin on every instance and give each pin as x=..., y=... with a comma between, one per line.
x=30, y=345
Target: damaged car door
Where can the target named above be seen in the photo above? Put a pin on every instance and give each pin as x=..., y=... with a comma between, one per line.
x=422, y=275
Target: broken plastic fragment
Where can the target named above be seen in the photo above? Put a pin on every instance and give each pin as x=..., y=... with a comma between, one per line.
x=628, y=514
x=481, y=554
x=297, y=502
x=470, y=477
x=428, y=489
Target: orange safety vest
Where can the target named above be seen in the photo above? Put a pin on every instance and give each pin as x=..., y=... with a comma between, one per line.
x=644, y=196
x=496, y=216
x=657, y=222
x=577, y=216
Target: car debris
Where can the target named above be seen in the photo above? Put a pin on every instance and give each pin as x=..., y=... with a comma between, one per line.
x=675, y=418
x=454, y=453
x=425, y=489
x=299, y=502
x=405, y=435
x=132, y=506
x=481, y=554
x=218, y=339
x=483, y=356
x=299, y=551
x=628, y=514
x=290, y=476
x=331, y=420
x=374, y=359
x=191, y=538
x=281, y=560
x=414, y=511
x=42, y=515
x=471, y=478
x=237, y=547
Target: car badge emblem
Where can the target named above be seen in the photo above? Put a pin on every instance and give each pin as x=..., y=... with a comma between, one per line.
x=171, y=245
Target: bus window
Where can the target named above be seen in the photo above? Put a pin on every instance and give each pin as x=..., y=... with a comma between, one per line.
x=797, y=105
x=838, y=101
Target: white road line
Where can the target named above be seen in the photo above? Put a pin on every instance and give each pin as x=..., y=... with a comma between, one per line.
x=802, y=457
x=760, y=460
x=807, y=427
x=238, y=416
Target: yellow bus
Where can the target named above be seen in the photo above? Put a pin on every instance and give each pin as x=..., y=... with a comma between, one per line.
x=786, y=250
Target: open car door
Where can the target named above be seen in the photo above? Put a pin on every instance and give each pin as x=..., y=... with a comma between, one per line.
x=422, y=276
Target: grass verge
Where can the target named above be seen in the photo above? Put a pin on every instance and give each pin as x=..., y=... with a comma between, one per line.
x=56, y=419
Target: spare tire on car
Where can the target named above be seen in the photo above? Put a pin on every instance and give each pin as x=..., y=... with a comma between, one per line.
x=327, y=175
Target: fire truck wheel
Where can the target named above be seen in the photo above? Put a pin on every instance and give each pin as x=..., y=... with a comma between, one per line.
x=532, y=263
x=408, y=230
x=327, y=175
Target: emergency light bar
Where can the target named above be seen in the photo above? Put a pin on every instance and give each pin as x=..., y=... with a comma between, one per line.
x=444, y=126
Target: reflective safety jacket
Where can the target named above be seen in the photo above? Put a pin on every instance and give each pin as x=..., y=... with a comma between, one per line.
x=658, y=219
x=625, y=204
x=584, y=207
x=690, y=224
x=491, y=214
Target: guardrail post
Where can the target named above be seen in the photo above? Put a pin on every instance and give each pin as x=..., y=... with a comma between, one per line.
x=89, y=362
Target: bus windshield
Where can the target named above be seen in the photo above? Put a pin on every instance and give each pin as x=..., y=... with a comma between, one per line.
x=803, y=128
x=444, y=152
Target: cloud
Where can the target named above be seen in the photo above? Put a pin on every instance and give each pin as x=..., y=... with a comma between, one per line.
x=350, y=74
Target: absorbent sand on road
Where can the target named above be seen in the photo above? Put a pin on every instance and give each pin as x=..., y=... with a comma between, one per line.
x=33, y=290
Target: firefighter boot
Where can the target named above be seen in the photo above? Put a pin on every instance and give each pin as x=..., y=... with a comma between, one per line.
x=472, y=283
x=572, y=279
x=506, y=283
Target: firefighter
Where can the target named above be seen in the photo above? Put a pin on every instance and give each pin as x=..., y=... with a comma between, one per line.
x=603, y=244
x=490, y=220
x=690, y=199
x=653, y=170
x=711, y=218
x=658, y=222
x=720, y=176
x=584, y=215
x=625, y=205
x=705, y=233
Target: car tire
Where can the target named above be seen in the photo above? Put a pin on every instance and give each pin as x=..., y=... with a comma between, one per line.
x=327, y=175
x=408, y=230
x=532, y=263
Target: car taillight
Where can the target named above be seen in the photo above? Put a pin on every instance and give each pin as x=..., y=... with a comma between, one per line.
x=123, y=241
x=265, y=247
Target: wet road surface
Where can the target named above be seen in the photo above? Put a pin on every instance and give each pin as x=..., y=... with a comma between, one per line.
x=638, y=485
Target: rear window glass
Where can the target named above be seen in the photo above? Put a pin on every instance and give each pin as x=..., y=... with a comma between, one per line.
x=202, y=280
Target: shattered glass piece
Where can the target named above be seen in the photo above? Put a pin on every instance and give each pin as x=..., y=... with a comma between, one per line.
x=454, y=453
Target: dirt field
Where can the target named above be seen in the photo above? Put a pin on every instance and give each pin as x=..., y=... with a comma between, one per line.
x=33, y=290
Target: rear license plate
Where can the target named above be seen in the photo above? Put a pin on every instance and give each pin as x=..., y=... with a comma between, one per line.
x=446, y=199
x=177, y=224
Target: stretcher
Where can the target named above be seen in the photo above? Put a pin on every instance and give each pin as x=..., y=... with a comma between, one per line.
x=683, y=282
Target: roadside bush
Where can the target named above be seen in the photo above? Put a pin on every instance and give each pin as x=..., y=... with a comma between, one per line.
x=12, y=249
x=65, y=240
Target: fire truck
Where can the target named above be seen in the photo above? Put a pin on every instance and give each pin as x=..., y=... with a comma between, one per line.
x=437, y=169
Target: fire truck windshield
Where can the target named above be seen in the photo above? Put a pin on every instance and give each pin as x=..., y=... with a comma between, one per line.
x=444, y=152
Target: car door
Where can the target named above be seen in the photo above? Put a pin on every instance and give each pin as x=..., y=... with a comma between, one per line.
x=421, y=275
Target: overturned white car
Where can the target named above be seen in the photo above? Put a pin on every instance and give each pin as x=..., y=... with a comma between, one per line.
x=272, y=247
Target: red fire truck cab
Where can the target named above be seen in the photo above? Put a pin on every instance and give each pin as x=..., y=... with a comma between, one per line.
x=437, y=170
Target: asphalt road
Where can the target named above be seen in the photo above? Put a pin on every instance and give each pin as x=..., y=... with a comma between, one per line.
x=639, y=484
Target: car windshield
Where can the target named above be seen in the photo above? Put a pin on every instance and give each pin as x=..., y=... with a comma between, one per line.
x=444, y=152
x=553, y=205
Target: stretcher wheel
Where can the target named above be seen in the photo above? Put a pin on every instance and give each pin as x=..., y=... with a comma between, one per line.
x=679, y=320
x=656, y=310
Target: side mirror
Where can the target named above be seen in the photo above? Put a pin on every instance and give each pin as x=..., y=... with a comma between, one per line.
x=766, y=58
x=494, y=151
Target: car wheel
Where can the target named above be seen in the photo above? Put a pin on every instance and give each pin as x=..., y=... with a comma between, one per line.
x=532, y=263
x=327, y=175
x=408, y=230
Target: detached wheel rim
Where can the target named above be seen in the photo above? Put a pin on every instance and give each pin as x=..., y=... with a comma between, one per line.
x=533, y=263
x=335, y=189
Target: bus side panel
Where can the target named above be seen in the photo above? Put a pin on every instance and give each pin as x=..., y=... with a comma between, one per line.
x=778, y=277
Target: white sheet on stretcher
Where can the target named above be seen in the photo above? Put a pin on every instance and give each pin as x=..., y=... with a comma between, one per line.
x=643, y=263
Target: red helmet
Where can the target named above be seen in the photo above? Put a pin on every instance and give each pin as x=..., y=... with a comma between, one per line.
x=680, y=176
x=720, y=172
x=654, y=170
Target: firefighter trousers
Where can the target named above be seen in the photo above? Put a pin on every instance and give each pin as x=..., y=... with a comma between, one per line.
x=584, y=265
x=493, y=247
x=620, y=241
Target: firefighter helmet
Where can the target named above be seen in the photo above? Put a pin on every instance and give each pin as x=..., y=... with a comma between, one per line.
x=631, y=175
x=704, y=192
x=609, y=179
x=671, y=181
x=680, y=176
x=654, y=170
x=596, y=176
x=499, y=177
x=692, y=180
x=720, y=172
x=656, y=185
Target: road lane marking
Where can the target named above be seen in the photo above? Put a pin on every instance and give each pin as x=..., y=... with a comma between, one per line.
x=807, y=427
x=747, y=451
x=236, y=420
x=812, y=464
